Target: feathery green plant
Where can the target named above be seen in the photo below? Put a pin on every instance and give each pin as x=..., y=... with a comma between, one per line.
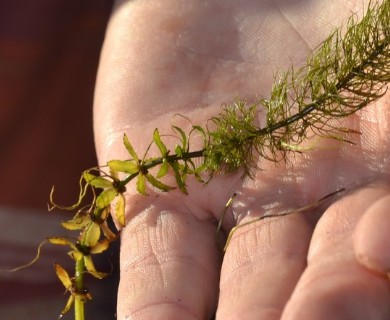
x=343, y=75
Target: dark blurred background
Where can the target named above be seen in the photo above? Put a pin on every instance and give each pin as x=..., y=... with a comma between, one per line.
x=49, y=53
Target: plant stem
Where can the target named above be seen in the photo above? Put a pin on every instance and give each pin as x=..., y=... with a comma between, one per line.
x=79, y=281
x=171, y=158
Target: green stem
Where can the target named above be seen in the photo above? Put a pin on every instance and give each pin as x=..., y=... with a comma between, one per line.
x=158, y=161
x=342, y=84
x=79, y=284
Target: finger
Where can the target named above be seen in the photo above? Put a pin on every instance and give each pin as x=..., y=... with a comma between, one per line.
x=334, y=285
x=169, y=266
x=261, y=267
x=371, y=237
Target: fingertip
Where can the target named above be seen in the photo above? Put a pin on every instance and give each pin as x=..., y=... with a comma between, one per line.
x=339, y=292
x=372, y=237
x=169, y=266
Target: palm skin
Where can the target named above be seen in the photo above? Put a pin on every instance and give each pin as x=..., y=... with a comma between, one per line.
x=189, y=57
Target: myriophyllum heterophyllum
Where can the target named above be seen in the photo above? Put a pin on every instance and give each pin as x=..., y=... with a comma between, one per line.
x=346, y=73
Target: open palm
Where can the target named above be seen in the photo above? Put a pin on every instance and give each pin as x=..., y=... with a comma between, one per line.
x=174, y=57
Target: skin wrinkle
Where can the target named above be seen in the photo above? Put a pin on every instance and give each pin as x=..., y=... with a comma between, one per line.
x=369, y=251
x=162, y=228
x=268, y=235
x=165, y=275
x=219, y=19
x=380, y=129
x=178, y=300
x=171, y=263
x=268, y=313
x=164, y=260
x=252, y=265
x=176, y=306
x=163, y=257
x=302, y=37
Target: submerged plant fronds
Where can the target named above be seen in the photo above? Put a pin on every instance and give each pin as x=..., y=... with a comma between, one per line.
x=343, y=75
x=234, y=138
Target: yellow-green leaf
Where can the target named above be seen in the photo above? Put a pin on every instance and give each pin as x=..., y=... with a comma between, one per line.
x=105, y=198
x=100, y=246
x=63, y=276
x=107, y=232
x=130, y=148
x=160, y=145
x=97, y=181
x=183, y=136
x=157, y=183
x=91, y=268
x=68, y=305
x=62, y=241
x=197, y=171
x=79, y=221
x=120, y=210
x=127, y=166
x=91, y=235
x=179, y=151
x=202, y=132
x=163, y=169
x=76, y=255
x=179, y=177
x=141, y=184
x=113, y=173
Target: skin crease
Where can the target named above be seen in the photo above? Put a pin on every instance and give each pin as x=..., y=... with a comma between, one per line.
x=162, y=58
x=372, y=251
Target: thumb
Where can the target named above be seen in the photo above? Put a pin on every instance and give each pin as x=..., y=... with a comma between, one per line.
x=372, y=237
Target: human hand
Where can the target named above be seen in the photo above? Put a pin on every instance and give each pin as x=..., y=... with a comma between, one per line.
x=189, y=57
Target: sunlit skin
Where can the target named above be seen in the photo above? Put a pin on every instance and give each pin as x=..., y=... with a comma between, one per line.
x=163, y=58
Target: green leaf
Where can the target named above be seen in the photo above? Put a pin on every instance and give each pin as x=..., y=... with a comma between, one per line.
x=120, y=210
x=76, y=255
x=130, y=148
x=101, y=246
x=179, y=177
x=163, y=169
x=91, y=234
x=63, y=276
x=106, y=197
x=196, y=171
x=179, y=151
x=141, y=184
x=62, y=242
x=127, y=166
x=91, y=268
x=97, y=181
x=79, y=221
x=68, y=305
x=157, y=183
x=113, y=173
x=184, y=139
x=157, y=140
x=201, y=131
x=107, y=232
